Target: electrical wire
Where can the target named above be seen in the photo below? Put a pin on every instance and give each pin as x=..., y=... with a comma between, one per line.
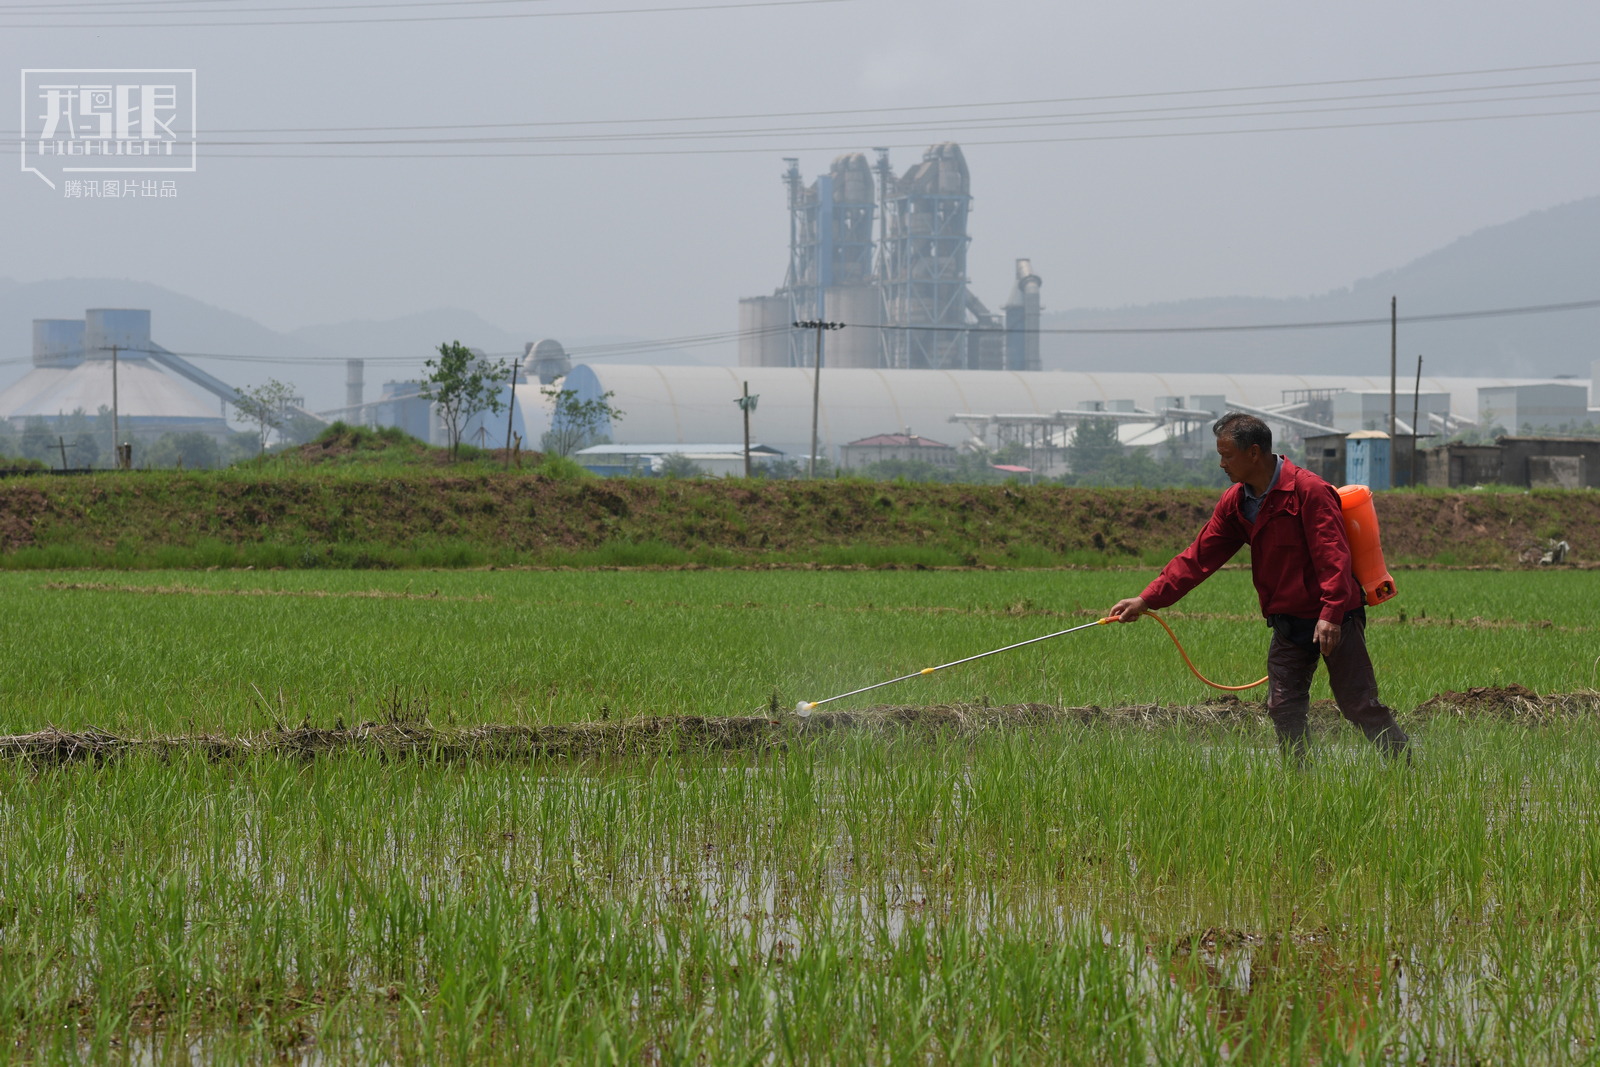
x=601, y=351
x=627, y=348
x=1091, y=118
x=908, y=144
x=253, y=23
x=160, y=8
x=933, y=123
x=1019, y=121
x=943, y=107
x=1325, y=324
x=572, y=138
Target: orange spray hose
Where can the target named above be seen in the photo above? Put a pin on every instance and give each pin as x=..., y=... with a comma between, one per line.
x=1197, y=674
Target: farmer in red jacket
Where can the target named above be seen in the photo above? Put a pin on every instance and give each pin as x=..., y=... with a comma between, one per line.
x=1300, y=563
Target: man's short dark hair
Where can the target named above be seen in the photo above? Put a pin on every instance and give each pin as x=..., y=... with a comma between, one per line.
x=1243, y=430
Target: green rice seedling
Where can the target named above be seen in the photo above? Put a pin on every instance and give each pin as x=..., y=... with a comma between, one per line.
x=1068, y=892
x=236, y=651
x=1062, y=894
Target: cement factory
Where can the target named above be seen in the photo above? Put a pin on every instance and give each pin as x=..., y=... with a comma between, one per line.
x=872, y=250
x=922, y=369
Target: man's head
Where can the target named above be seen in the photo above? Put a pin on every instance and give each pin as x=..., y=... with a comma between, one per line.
x=1244, y=445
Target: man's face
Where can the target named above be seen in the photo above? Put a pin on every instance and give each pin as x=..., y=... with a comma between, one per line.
x=1236, y=464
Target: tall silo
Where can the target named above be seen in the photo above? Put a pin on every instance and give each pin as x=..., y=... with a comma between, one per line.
x=764, y=331
x=830, y=276
x=125, y=329
x=851, y=296
x=354, y=388
x=924, y=262
x=1022, y=320
x=57, y=342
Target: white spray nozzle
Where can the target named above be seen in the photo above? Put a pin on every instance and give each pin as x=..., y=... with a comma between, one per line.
x=803, y=709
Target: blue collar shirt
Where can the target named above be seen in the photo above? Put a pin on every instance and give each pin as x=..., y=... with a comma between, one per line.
x=1250, y=505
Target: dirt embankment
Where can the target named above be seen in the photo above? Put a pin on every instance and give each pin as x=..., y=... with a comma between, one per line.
x=530, y=517
x=652, y=736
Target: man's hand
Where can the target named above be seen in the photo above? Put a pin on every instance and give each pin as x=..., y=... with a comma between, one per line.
x=1328, y=636
x=1130, y=609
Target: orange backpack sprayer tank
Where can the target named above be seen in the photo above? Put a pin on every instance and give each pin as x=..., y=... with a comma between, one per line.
x=1361, y=527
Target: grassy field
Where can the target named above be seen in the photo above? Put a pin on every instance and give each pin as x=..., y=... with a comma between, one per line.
x=228, y=651
x=1089, y=894
x=372, y=517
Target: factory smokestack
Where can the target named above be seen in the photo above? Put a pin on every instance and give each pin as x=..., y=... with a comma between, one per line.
x=354, y=386
x=1022, y=320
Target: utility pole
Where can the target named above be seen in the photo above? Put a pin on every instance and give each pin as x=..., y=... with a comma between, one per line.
x=511, y=410
x=747, y=404
x=1394, y=352
x=1416, y=431
x=816, y=381
x=62, y=441
x=116, y=428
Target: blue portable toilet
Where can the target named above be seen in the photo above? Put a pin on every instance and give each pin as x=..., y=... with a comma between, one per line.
x=1366, y=459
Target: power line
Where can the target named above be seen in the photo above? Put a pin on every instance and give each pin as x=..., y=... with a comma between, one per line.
x=988, y=104
x=975, y=105
x=739, y=5
x=1324, y=324
x=993, y=123
x=1170, y=113
x=625, y=348
x=960, y=106
x=998, y=122
x=600, y=351
x=162, y=7
x=841, y=147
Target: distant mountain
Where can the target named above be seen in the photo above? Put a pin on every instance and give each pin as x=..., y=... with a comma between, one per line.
x=1547, y=257
x=1543, y=258
x=177, y=322
x=311, y=357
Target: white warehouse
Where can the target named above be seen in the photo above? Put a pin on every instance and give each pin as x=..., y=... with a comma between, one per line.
x=693, y=404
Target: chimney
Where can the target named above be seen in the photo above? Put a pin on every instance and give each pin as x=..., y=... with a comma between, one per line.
x=354, y=386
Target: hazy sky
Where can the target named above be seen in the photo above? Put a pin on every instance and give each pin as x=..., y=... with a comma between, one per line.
x=662, y=245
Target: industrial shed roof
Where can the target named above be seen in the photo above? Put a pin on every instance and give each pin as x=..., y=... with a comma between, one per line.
x=689, y=403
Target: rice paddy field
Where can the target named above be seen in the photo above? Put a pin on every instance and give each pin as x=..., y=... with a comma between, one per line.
x=1108, y=885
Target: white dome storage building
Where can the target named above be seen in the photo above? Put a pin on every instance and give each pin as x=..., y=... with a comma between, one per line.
x=72, y=371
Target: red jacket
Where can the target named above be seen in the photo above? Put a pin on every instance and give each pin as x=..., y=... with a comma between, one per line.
x=1299, y=554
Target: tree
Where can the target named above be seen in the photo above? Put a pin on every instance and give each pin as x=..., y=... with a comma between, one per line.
x=237, y=446
x=298, y=428
x=266, y=406
x=1097, y=458
x=85, y=449
x=195, y=450
x=1094, y=446
x=461, y=383
x=37, y=437
x=678, y=465
x=576, y=423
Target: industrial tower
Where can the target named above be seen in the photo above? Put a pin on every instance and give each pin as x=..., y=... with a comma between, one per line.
x=903, y=292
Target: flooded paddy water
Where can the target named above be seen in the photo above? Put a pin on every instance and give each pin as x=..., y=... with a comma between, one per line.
x=1038, y=890
x=564, y=817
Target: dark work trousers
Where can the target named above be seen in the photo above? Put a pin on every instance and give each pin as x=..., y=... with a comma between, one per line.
x=1355, y=688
